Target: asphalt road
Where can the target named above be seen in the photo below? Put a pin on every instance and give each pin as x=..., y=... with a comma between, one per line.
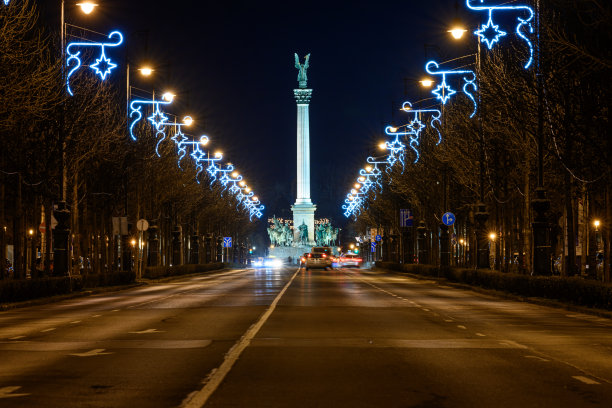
x=289, y=338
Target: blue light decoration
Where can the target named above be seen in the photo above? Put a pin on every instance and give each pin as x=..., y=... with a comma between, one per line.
x=102, y=66
x=444, y=92
x=490, y=32
x=415, y=127
x=158, y=119
x=6, y=2
x=369, y=179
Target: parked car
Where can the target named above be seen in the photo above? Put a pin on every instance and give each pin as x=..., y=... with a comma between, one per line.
x=318, y=260
x=351, y=260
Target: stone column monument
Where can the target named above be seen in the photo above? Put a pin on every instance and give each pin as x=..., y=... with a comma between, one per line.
x=303, y=209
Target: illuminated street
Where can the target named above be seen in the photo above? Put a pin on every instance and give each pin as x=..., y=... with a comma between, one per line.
x=347, y=337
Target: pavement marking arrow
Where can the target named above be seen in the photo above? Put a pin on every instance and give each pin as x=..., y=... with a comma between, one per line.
x=146, y=331
x=90, y=353
x=7, y=392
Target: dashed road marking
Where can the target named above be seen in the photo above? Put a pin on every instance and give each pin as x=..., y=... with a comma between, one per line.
x=7, y=392
x=461, y=327
x=448, y=320
x=17, y=337
x=426, y=310
x=75, y=322
x=585, y=380
x=146, y=331
x=481, y=335
x=96, y=315
x=538, y=358
x=48, y=330
x=91, y=353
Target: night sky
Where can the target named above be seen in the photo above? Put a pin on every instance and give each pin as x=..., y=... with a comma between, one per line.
x=231, y=65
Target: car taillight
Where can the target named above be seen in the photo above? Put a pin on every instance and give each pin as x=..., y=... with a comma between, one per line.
x=303, y=259
x=324, y=256
x=310, y=255
x=358, y=259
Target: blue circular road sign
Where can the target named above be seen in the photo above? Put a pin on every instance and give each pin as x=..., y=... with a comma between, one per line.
x=448, y=219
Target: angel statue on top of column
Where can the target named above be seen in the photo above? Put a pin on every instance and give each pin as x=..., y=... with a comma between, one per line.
x=302, y=78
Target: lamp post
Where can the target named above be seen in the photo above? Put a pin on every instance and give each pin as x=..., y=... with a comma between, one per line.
x=480, y=215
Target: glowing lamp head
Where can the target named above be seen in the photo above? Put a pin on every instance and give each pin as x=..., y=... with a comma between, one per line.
x=255, y=199
x=353, y=191
x=426, y=82
x=457, y=32
x=168, y=96
x=248, y=189
x=357, y=185
x=133, y=242
x=368, y=168
x=492, y=236
x=87, y=7
x=218, y=155
x=31, y=232
x=596, y=223
x=242, y=183
x=145, y=71
x=235, y=174
x=392, y=129
x=382, y=146
x=362, y=179
x=187, y=120
x=461, y=241
x=204, y=140
x=351, y=245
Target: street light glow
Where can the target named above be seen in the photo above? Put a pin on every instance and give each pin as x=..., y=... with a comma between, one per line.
x=492, y=236
x=145, y=71
x=187, y=120
x=87, y=7
x=168, y=96
x=457, y=32
x=382, y=145
x=218, y=155
x=426, y=82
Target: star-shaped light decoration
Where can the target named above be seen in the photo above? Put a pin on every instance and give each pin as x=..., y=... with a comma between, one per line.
x=490, y=33
x=158, y=118
x=103, y=66
x=416, y=126
x=443, y=92
x=6, y=2
x=197, y=154
x=179, y=137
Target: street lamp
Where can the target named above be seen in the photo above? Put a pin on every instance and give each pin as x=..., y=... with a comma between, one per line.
x=87, y=7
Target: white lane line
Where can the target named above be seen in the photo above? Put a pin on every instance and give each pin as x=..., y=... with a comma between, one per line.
x=96, y=315
x=461, y=327
x=47, y=330
x=7, y=392
x=585, y=380
x=448, y=320
x=425, y=310
x=197, y=399
x=16, y=337
x=75, y=322
x=481, y=335
x=115, y=310
x=146, y=331
x=90, y=353
x=538, y=358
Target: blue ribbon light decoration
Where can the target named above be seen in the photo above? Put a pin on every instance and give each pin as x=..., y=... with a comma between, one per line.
x=6, y=2
x=444, y=92
x=369, y=179
x=158, y=119
x=490, y=33
x=103, y=65
x=415, y=127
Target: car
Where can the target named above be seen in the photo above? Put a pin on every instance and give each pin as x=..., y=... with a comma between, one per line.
x=267, y=262
x=303, y=259
x=318, y=260
x=351, y=260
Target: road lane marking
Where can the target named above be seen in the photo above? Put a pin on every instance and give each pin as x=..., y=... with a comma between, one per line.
x=47, y=330
x=75, y=322
x=585, y=380
x=90, y=353
x=146, y=331
x=457, y=343
x=96, y=315
x=77, y=346
x=197, y=399
x=538, y=358
x=448, y=320
x=7, y=392
x=425, y=310
x=461, y=327
x=16, y=337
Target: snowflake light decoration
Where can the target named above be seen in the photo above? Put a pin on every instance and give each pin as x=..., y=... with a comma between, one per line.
x=444, y=92
x=490, y=32
x=157, y=118
x=102, y=66
x=415, y=127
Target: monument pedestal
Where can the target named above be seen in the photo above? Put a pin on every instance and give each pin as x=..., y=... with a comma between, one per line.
x=303, y=213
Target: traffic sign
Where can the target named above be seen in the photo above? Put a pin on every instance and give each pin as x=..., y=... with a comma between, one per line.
x=142, y=225
x=448, y=219
x=406, y=218
x=42, y=227
x=378, y=238
x=373, y=246
x=227, y=242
